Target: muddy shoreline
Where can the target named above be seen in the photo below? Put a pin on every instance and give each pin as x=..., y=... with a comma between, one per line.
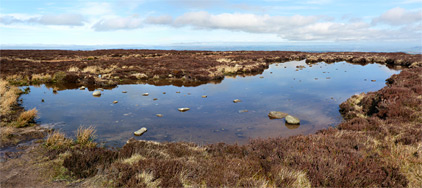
x=378, y=144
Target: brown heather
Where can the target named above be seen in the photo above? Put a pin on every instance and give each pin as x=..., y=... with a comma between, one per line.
x=379, y=144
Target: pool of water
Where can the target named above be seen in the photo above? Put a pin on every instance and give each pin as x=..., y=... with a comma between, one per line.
x=312, y=94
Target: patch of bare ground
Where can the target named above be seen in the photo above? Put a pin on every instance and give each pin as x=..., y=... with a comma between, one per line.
x=378, y=144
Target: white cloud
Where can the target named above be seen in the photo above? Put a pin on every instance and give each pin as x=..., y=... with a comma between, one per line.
x=165, y=19
x=399, y=16
x=118, y=23
x=242, y=22
x=293, y=28
x=60, y=19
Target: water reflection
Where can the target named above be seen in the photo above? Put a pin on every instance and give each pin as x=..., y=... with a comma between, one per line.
x=214, y=118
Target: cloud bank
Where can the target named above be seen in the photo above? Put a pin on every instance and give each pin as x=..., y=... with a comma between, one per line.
x=402, y=24
x=59, y=19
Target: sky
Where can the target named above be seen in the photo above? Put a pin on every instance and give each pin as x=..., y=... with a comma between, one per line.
x=164, y=22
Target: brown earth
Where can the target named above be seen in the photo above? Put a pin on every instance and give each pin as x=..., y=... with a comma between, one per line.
x=378, y=144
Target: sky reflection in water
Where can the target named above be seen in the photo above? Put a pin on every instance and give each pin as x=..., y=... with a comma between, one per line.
x=312, y=94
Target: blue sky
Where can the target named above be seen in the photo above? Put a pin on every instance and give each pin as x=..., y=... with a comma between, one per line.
x=163, y=22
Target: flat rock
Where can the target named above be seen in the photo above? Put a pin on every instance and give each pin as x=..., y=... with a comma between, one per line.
x=292, y=120
x=145, y=94
x=96, y=93
x=124, y=91
x=159, y=115
x=114, y=102
x=277, y=115
x=183, y=109
x=204, y=96
x=237, y=100
x=140, y=131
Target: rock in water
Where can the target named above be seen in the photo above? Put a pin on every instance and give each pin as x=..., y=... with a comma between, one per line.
x=159, y=115
x=145, y=94
x=96, y=93
x=114, y=102
x=183, y=109
x=236, y=100
x=124, y=91
x=204, y=96
x=277, y=115
x=140, y=131
x=292, y=120
x=82, y=88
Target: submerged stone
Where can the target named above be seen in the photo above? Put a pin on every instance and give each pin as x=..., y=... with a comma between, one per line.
x=277, y=115
x=140, y=131
x=292, y=120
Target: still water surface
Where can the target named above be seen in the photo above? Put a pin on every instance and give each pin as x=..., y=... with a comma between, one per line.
x=312, y=94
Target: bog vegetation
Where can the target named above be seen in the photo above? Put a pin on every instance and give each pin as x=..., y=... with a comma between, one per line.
x=378, y=144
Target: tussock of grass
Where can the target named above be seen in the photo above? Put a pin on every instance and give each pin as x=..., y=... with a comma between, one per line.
x=6, y=132
x=41, y=77
x=57, y=140
x=73, y=69
x=85, y=136
x=91, y=69
x=8, y=96
x=25, y=118
x=133, y=159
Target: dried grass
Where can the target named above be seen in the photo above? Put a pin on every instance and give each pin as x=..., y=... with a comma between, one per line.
x=26, y=117
x=85, y=136
x=9, y=95
x=73, y=69
x=58, y=140
x=92, y=69
x=41, y=77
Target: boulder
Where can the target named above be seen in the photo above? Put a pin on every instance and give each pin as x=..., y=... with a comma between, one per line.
x=140, y=131
x=292, y=120
x=96, y=93
x=183, y=109
x=277, y=115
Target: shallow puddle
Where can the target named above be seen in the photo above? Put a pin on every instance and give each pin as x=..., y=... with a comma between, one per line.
x=312, y=94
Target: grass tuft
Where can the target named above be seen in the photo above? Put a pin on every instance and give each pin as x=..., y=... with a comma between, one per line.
x=58, y=140
x=25, y=118
x=85, y=136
